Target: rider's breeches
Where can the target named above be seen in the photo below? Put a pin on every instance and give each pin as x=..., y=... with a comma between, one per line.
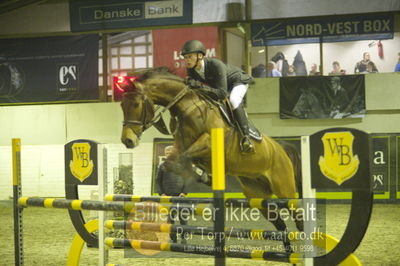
x=237, y=94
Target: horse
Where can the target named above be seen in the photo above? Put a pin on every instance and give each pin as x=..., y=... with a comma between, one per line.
x=309, y=105
x=261, y=174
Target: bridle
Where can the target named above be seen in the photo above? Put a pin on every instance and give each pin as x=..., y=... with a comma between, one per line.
x=148, y=111
x=147, y=118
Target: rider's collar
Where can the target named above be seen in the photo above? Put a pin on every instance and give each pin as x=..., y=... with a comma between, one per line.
x=201, y=70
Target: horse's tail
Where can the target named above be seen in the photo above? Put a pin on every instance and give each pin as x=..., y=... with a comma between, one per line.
x=295, y=158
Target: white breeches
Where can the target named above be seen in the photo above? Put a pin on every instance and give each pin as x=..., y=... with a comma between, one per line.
x=237, y=94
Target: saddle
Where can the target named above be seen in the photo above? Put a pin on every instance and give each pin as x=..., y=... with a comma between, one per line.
x=226, y=110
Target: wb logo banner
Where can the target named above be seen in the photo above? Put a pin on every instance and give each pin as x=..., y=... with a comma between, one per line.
x=67, y=78
x=338, y=163
x=81, y=165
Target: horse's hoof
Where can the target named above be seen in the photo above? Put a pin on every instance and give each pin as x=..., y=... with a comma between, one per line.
x=202, y=176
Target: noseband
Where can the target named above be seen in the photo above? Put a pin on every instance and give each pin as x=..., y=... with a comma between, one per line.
x=149, y=108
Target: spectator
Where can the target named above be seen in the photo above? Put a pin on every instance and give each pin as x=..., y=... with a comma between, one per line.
x=259, y=71
x=397, y=67
x=361, y=67
x=291, y=71
x=371, y=68
x=170, y=184
x=314, y=70
x=272, y=71
x=299, y=64
x=336, y=69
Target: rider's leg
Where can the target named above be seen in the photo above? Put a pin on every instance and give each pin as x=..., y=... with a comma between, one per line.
x=236, y=98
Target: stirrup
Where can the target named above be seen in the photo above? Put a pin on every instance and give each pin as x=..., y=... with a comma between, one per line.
x=246, y=146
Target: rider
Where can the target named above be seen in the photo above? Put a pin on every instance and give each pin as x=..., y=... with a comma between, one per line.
x=222, y=78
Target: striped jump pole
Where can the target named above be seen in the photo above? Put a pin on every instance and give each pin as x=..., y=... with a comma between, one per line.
x=128, y=207
x=75, y=204
x=159, y=199
x=259, y=203
x=253, y=234
x=18, y=233
x=234, y=252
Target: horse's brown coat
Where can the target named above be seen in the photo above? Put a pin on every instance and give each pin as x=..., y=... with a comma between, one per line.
x=266, y=172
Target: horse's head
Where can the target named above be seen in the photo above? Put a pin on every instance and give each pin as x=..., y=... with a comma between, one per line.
x=138, y=112
x=309, y=105
x=155, y=86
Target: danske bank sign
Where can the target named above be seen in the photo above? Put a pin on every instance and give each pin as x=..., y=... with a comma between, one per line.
x=122, y=14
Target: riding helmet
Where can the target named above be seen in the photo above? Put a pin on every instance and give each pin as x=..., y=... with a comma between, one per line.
x=193, y=46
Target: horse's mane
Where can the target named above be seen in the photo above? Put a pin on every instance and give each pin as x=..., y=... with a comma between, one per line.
x=157, y=73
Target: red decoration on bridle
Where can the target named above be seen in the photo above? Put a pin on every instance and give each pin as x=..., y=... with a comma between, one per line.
x=125, y=83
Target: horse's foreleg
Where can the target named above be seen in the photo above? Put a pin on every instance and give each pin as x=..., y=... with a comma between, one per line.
x=200, y=149
x=197, y=154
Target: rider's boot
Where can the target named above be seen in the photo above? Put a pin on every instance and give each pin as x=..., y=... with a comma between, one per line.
x=245, y=143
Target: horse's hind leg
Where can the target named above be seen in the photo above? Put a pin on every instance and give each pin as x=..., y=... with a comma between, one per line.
x=285, y=176
x=260, y=188
x=274, y=217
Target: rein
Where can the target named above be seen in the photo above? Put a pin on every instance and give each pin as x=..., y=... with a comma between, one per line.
x=149, y=103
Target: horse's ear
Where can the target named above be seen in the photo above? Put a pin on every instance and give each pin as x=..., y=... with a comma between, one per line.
x=138, y=86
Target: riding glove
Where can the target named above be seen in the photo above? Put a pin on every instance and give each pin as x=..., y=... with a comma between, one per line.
x=194, y=84
x=216, y=94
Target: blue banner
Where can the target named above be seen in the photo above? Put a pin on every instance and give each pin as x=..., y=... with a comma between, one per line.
x=50, y=69
x=313, y=30
x=113, y=14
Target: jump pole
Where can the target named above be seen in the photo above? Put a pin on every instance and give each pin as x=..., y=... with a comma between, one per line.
x=17, y=193
x=218, y=186
x=102, y=188
x=258, y=203
x=308, y=193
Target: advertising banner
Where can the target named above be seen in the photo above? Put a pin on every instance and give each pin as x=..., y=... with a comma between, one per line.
x=113, y=14
x=322, y=97
x=336, y=29
x=168, y=44
x=381, y=163
x=49, y=69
